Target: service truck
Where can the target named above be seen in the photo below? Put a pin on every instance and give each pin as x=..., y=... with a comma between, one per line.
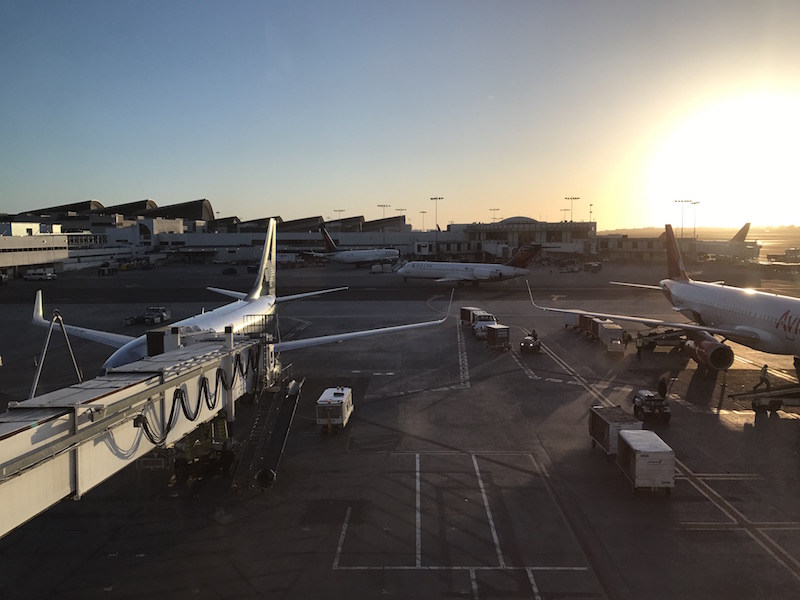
x=498, y=336
x=646, y=460
x=480, y=321
x=610, y=335
x=605, y=423
x=466, y=314
x=334, y=407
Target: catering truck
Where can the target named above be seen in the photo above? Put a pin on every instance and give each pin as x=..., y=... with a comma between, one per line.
x=610, y=334
x=605, y=423
x=334, y=407
x=646, y=460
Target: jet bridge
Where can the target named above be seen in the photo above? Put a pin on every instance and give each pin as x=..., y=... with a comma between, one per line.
x=64, y=443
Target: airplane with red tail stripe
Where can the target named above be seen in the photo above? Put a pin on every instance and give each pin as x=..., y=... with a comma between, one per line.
x=760, y=320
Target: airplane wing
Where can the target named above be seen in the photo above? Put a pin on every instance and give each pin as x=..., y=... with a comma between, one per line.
x=636, y=285
x=308, y=294
x=115, y=340
x=229, y=293
x=242, y=295
x=340, y=337
x=735, y=333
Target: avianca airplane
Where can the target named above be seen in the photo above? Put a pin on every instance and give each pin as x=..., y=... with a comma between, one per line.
x=355, y=257
x=475, y=272
x=761, y=320
x=261, y=300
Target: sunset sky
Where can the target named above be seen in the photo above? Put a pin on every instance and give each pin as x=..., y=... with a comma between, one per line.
x=310, y=108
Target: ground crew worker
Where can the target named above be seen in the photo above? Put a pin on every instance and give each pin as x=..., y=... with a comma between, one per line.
x=534, y=335
x=764, y=379
x=639, y=344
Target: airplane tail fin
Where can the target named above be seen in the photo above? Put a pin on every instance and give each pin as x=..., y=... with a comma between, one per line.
x=329, y=245
x=675, y=268
x=524, y=255
x=265, y=281
x=741, y=235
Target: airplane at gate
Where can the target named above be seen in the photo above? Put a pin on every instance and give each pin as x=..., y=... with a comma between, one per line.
x=760, y=320
x=355, y=257
x=260, y=301
x=475, y=272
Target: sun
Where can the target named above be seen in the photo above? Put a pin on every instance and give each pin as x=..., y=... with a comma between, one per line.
x=739, y=158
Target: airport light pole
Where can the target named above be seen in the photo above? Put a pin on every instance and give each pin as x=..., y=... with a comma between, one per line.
x=695, y=218
x=436, y=218
x=564, y=210
x=494, y=214
x=571, y=200
x=682, y=203
x=383, y=227
x=590, y=212
x=338, y=212
x=423, y=213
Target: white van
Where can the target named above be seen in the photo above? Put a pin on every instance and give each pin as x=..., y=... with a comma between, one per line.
x=39, y=275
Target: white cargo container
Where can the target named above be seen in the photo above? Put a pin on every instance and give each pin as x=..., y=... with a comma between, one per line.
x=571, y=320
x=466, y=314
x=646, y=460
x=611, y=336
x=605, y=423
x=334, y=407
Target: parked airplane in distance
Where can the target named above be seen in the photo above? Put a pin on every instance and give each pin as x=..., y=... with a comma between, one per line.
x=474, y=272
x=355, y=257
x=260, y=301
x=737, y=247
x=761, y=320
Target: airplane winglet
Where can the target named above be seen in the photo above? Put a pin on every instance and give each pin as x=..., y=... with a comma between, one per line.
x=531, y=296
x=38, y=313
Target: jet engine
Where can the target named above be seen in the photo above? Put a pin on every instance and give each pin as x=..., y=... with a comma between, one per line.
x=705, y=350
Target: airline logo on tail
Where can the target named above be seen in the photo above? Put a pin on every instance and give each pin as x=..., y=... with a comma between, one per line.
x=329, y=245
x=524, y=255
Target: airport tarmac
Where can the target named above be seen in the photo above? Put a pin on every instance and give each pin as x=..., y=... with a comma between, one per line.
x=464, y=472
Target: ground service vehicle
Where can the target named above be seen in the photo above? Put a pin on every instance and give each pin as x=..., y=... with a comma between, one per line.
x=153, y=315
x=610, y=335
x=647, y=405
x=40, y=275
x=530, y=344
x=466, y=314
x=334, y=407
x=498, y=337
x=646, y=460
x=605, y=423
x=480, y=321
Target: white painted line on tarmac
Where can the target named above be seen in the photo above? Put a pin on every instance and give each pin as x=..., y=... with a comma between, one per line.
x=500, y=558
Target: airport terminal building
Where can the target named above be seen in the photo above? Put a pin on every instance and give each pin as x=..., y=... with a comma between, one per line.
x=91, y=235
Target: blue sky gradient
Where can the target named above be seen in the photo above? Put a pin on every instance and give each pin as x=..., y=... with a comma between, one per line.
x=299, y=108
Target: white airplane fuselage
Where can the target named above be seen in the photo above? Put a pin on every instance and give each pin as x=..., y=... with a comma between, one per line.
x=237, y=314
x=459, y=271
x=354, y=257
x=775, y=319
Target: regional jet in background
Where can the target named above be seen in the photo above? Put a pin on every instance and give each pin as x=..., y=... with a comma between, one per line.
x=355, y=257
x=474, y=272
x=737, y=247
x=260, y=301
x=761, y=320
